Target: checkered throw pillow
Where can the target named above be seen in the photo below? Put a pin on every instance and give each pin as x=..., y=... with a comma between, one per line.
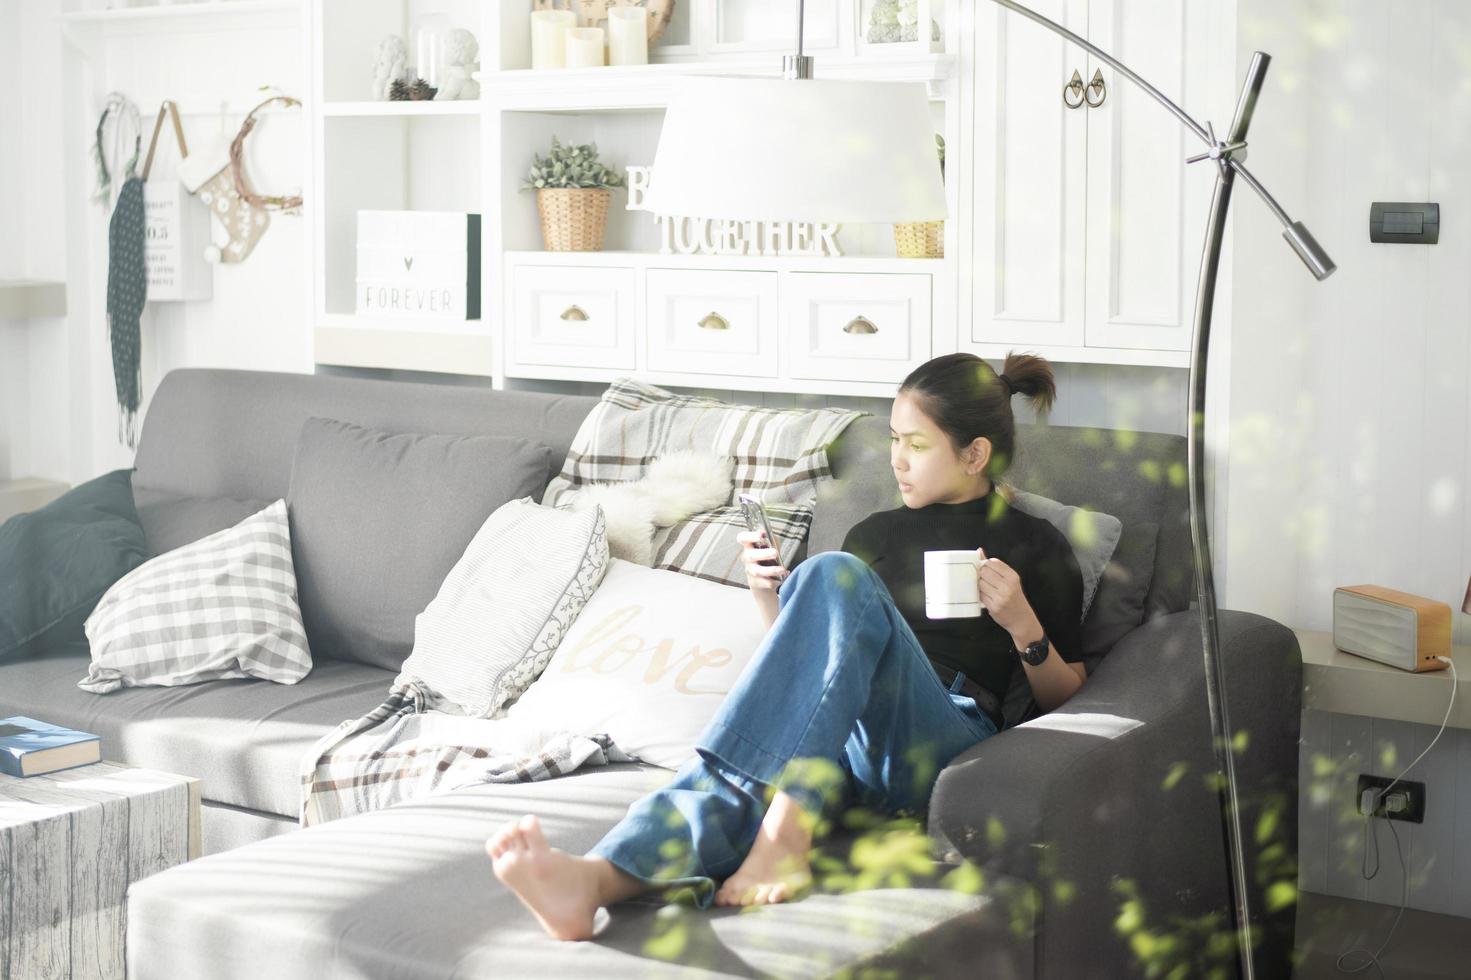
x=780, y=456
x=223, y=606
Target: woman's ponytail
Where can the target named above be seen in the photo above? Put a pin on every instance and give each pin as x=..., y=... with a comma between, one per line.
x=968, y=399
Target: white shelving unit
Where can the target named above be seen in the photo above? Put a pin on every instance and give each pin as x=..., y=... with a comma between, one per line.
x=471, y=156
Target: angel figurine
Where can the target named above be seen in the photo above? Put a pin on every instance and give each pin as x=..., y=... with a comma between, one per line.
x=391, y=65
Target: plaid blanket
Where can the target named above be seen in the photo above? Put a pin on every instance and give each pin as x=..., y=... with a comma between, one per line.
x=780, y=456
x=397, y=752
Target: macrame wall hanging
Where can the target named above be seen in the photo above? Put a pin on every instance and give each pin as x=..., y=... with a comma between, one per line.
x=127, y=279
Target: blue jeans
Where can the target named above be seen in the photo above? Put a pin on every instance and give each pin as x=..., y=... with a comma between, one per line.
x=838, y=706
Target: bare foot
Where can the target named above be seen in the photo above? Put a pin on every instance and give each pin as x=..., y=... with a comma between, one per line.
x=562, y=890
x=777, y=866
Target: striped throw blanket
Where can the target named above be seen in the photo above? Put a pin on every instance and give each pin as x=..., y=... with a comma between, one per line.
x=398, y=752
x=780, y=456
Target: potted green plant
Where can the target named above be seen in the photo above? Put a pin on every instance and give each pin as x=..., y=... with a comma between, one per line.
x=923, y=239
x=573, y=188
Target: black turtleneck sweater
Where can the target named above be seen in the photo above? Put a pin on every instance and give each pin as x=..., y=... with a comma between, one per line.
x=893, y=543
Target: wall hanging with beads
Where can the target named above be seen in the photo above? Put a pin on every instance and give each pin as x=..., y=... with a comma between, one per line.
x=219, y=181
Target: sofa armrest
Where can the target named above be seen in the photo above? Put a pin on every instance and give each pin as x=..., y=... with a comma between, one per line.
x=1098, y=762
x=1119, y=782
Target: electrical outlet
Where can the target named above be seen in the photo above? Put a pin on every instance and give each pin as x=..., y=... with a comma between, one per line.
x=1414, y=810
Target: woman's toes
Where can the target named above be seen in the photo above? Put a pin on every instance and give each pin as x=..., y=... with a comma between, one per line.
x=531, y=830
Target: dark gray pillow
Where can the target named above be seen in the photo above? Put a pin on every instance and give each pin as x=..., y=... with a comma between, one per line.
x=378, y=520
x=171, y=521
x=56, y=562
x=1118, y=607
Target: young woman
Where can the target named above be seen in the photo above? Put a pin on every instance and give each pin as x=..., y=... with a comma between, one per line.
x=843, y=704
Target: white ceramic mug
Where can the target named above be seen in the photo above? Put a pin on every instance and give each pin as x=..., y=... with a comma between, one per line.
x=951, y=587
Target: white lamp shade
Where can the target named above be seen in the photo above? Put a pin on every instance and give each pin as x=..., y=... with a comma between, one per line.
x=764, y=149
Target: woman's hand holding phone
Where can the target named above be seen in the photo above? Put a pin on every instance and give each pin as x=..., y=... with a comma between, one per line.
x=764, y=573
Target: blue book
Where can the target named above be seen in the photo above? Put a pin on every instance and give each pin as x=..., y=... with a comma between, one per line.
x=29, y=747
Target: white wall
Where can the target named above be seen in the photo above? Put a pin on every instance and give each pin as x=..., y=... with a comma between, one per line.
x=1351, y=424
x=53, y=82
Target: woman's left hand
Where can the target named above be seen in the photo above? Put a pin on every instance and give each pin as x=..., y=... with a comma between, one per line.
x=1001, y=594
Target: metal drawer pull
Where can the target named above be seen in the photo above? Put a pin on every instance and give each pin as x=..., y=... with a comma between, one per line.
x=714, y=321
x=1076, y=88
x=574, y=312
x=1098, y=88
x=861, y=324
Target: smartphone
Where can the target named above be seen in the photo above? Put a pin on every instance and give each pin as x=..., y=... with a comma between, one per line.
x=755, y=516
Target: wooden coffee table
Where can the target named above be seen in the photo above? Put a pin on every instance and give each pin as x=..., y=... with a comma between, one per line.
x=71, y=843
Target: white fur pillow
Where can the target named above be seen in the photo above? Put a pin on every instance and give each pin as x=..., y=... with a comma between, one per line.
x=648, y=662
x=675, y=486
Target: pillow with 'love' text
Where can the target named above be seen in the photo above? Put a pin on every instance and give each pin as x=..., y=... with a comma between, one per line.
x=648, y=661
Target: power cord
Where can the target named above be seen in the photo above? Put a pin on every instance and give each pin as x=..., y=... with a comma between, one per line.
x=1369, y=803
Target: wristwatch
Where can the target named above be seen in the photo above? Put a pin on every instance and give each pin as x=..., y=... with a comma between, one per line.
x=1036, y=653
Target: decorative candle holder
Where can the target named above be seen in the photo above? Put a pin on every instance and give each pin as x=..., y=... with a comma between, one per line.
x=549, y=37
x=628, y=36
x=585, y=47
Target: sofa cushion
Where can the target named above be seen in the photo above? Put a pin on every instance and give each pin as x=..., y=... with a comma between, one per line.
x=221, y=607
x=56, y=562
x=408, y=892
x=243, y=738
x=172, y=520
x=378, y=520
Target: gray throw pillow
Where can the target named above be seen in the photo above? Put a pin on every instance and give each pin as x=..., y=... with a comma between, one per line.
x=1092, y=534
x=378, y=519
x=1119, y=605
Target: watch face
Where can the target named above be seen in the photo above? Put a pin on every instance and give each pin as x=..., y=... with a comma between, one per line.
x=1037, y=652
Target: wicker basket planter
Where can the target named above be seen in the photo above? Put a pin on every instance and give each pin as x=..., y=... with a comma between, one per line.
x=573, y=219
x=920, y=239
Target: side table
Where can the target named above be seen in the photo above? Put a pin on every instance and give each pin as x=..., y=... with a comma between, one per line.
x=71, y=843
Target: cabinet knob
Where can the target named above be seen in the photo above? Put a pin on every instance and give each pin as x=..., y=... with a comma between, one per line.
x=1075, y=87
x=714, y=321
x=1096, y=88
x=574, y=312
x=861, y=324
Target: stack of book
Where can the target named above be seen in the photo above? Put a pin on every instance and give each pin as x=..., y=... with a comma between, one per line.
x=29, y=747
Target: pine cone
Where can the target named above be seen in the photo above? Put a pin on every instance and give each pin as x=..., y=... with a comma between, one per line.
x=398, y=91
x=421, y=91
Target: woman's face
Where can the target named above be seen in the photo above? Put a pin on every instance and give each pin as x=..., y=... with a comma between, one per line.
x=925, y=463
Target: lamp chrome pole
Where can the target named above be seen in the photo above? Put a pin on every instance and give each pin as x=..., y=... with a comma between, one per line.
x=1229, y=156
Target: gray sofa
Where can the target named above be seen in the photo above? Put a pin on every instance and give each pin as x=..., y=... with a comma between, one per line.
x=1094, y=828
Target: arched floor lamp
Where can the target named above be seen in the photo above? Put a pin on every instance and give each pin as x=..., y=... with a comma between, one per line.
x=852, y=151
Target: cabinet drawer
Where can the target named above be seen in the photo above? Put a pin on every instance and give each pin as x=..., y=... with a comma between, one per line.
x=851, y=327
x=571, y=316
x=712, y=322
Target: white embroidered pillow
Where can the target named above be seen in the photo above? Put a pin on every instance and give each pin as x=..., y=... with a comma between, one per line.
x=504, y=607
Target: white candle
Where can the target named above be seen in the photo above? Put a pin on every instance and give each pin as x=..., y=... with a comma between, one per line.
x=628, y=36
x=585, y=47
x=549, y=37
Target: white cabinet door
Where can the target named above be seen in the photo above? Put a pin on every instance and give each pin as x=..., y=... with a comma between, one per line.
x=1030, y=179
x=1146, y=208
